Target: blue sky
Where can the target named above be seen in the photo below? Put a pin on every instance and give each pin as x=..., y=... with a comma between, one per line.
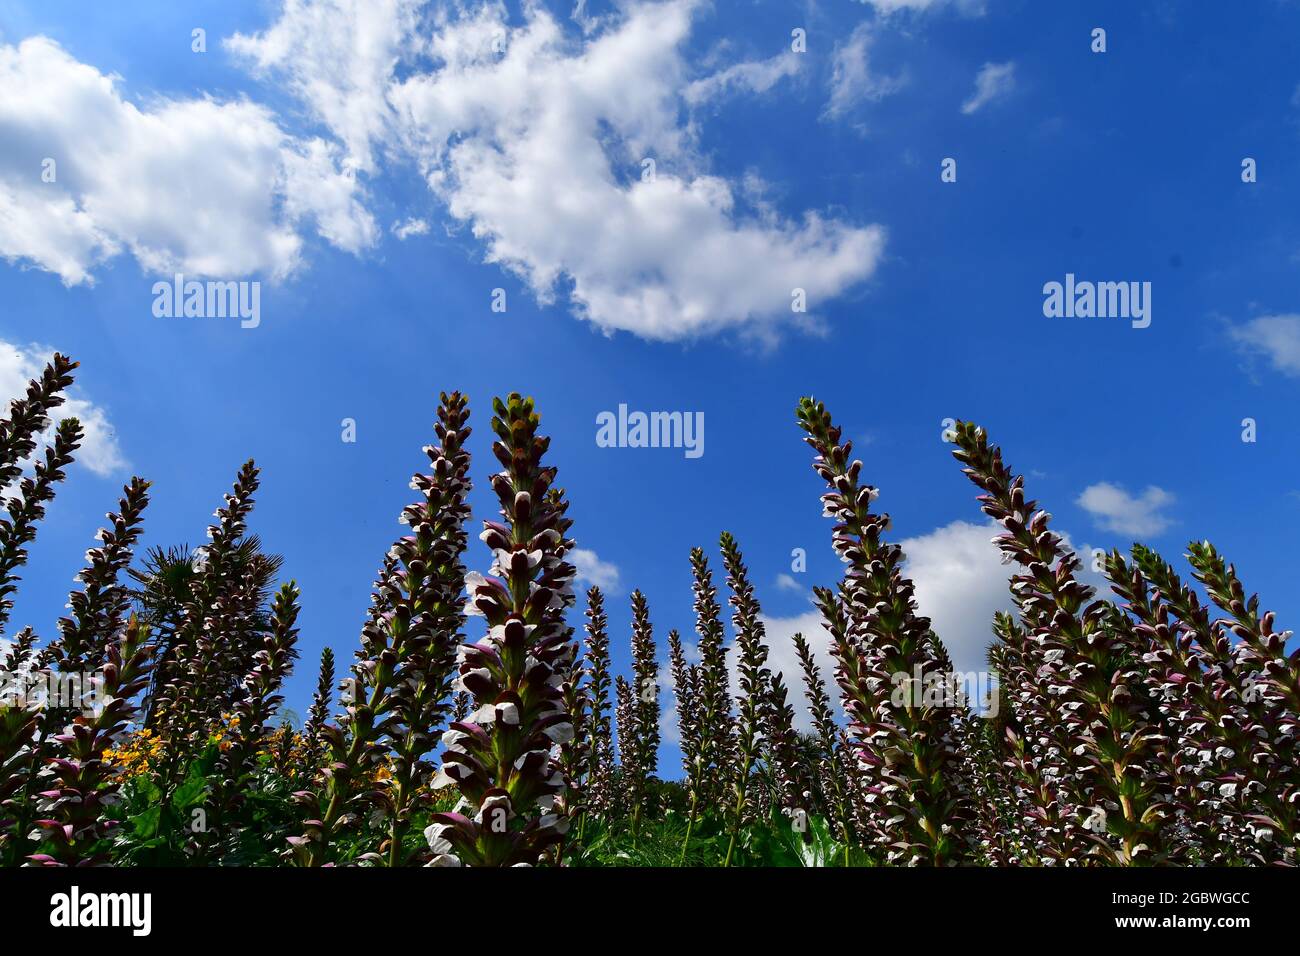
x=291, y=150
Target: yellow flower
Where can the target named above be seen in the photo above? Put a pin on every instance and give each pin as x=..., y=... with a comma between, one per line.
x=136, y=755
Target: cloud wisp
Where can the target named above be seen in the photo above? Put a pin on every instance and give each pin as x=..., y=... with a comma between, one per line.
x=1116, y=510
x=993, y=82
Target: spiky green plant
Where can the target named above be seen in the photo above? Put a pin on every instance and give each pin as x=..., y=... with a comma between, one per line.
x=887, y=658
x=751, y=643
x=164, y=598
x=401, y=687
x=1270, y=688
x=1089, y=655
x=629, y=752
x=210, y=640
x=790, y=793
x=28, y=418
x=261, y=698
x=78, y=787
x=319, y=712
x=686, y=691
x=712, y=767
x=832, y=778
x=427, y=603
x=600, y=740
x=645, y=707
x=502, y=758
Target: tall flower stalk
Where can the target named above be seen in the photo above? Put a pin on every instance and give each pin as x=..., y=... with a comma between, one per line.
x=1202, y=715
x=906, y=743
x=1087, y=653
x=713, y=761
x=754, y=676
x=831, y=774
x=99, y=609
x=98, y=612
x=645, y=706
x=27, y=507
x=401, y=690
x=503, y=759
x=25, y=732
x=789, y=794
x=1268, y=685
x=19, y=431
x=78, y=784
x=260, y=701
x=686, y=692
x=428, y=613
x=574, y=755
x=209, y=641
x=318, y=714
x=629, y=753
x=600, y=742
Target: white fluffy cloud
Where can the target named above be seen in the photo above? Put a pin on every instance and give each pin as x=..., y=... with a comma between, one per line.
x=533, y=139
x=341, y=54
x=193, y=185
x=960, y=582
x=535, y=142
x=852, y=80
x=99, y=449
x=1275, y=337
x=539, y=150
x=993, y=82
x=1114, y=509
x=592, y=570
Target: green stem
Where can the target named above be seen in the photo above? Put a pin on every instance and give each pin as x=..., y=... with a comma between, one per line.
x=690, y=825
x=739, y=812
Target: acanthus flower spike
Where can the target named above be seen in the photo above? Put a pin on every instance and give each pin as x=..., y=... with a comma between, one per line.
x=261, y=698
x=645, y=708
x=907, y=745
x=600, y=798
x=78, y=786
x=751, y=641
x=504, y=759
x=402, y=683
x=1076, y=658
